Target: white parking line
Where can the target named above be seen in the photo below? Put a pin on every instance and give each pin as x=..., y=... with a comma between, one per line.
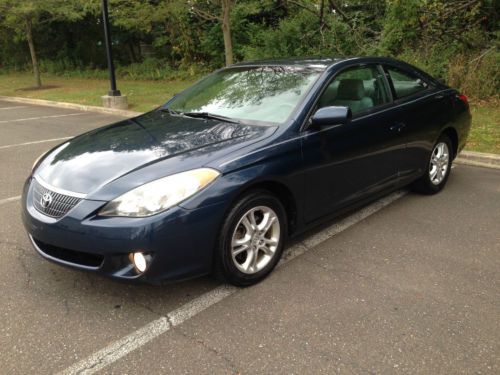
x=17, y=106
x=11, y=199
x=142, y=336
x=41, y=117
x=145, y=334
x=34, y=142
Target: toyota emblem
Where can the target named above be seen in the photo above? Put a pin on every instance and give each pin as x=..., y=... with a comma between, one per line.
x=46, y=200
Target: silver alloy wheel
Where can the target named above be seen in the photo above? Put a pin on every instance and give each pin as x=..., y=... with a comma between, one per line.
x=438, y=166
x=255, y=239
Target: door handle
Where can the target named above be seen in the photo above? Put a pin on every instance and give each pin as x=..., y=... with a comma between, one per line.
x=439, y=96
x=397, y=127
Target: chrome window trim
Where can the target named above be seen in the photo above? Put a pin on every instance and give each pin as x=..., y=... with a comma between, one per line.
x=401, y=104
x=59, y=190
x=305, y=133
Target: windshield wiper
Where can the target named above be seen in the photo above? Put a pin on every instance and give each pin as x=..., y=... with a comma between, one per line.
x=211, y=116
x=171, y=111
x=205, y=115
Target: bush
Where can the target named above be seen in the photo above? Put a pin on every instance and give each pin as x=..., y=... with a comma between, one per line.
x=159, y=69
x=69, y=68
x=150, y=68
x=476, y=76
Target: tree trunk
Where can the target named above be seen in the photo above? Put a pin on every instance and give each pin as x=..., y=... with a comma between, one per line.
x=322, y=14
x=34, y=60
x=131, y=52
x=226, y=30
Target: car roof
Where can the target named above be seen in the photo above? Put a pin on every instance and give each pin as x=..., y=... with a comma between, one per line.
x=323, y=63
x=315, y=61
x=294, y=61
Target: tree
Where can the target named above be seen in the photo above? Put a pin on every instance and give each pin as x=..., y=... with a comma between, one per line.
x=23, y=16
x=147, y=21
x=225, y=7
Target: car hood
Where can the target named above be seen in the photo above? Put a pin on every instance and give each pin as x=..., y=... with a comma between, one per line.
x=93, y=159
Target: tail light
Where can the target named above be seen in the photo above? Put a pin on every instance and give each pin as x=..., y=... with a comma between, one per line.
x=463, y=98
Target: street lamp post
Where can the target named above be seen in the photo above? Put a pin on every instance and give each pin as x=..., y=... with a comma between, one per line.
x=114, y=99
x=109, y=50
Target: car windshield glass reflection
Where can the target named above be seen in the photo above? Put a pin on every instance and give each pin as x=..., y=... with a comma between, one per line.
x=266, y=94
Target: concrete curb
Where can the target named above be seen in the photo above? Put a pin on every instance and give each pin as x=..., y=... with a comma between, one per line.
x=479, y=159
x=80, y=107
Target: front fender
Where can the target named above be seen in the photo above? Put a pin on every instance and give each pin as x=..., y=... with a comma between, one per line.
x=279, y=164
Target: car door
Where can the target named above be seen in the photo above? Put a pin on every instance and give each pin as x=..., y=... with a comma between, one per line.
x=423, y=111
x=346, y=163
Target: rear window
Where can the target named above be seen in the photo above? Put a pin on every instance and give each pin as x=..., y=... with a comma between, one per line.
x=405, y=83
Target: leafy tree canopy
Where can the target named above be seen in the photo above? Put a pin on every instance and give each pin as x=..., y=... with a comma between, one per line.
x=449, y=38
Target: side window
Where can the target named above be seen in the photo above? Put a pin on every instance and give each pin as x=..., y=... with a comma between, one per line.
x=405, y=84
x=359, y=88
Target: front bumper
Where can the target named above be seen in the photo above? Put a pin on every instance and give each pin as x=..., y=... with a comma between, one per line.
x=180, y=241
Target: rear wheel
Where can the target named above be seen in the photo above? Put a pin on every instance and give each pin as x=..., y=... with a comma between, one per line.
x=438, y=169
x=251, y=239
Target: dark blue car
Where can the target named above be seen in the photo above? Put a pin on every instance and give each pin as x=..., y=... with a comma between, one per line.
x=218, y=178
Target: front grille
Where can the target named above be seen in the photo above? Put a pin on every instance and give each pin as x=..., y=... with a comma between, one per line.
x=55, y=205
x=77, y=258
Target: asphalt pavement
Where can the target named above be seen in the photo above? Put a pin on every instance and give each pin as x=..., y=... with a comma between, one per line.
x=410, y=284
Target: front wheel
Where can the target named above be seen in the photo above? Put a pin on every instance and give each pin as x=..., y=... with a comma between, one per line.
x=438, y=169
x=251, y=239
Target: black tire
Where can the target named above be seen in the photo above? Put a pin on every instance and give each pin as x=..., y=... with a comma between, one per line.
x=225, y=268
x=424, y=185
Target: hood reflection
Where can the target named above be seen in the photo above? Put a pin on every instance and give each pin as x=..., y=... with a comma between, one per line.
x=95, y=158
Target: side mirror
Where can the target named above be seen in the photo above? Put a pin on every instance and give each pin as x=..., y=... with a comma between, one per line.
x=331, y=116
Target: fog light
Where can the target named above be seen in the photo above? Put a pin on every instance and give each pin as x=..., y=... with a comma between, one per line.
x=140, y=262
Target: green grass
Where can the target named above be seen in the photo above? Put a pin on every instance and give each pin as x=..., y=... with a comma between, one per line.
x=484, y=135
x=145, y=95
x=142, y=95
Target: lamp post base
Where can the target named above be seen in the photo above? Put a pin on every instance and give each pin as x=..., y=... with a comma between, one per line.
x=116, y=102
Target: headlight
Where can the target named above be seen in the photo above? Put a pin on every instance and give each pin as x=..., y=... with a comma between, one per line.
x=159, y=195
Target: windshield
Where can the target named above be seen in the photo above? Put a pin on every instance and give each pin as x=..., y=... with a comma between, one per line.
x=266, y=94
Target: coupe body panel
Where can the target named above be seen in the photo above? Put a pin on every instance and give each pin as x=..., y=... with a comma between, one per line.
x=316, y=170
